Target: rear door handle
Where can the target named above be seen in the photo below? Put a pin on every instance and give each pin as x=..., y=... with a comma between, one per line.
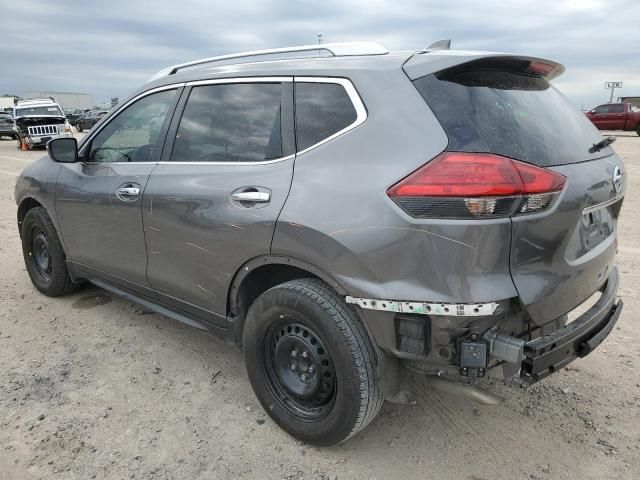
x=128, y=192
x=251, y=196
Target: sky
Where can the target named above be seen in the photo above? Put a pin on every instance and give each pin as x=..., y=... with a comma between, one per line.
x=110, y=48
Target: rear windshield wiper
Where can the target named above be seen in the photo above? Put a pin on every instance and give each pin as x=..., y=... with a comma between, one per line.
x=605, y=142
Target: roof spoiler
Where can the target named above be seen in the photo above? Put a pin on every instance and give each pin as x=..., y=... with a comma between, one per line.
x=425, y=63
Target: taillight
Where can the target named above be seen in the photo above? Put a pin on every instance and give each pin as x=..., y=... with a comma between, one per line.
x=476, y=185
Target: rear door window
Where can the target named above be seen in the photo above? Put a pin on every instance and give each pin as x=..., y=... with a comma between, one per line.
x=322, y=110
x=513, y=114
x=236, y=122
x=617, y=108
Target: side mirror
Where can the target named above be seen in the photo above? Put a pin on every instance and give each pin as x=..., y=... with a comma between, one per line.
x=63, y=150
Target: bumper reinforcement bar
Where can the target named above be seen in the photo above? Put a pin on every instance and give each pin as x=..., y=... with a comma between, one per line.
x=579, y=338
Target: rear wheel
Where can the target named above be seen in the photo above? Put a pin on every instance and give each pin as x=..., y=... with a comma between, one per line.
x=638, y=129
x=311, y=363
x=43, y=254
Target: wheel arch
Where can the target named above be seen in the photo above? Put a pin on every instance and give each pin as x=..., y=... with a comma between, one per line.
x=26, y=204
x=261, y=273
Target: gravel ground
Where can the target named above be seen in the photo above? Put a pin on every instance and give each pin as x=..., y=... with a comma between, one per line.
x=94, y=387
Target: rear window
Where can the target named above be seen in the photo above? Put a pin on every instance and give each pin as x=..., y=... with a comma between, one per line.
x=230, y=123
x=322, y=110
x=517, y=115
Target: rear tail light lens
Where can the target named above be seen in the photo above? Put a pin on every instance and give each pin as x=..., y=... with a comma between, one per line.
x=476, y=185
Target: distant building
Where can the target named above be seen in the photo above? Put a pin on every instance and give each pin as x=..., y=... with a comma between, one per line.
x=6, y=103
x=631, y=100
x=64, y=99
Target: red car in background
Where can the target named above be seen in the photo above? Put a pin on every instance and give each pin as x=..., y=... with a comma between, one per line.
x=616, y=116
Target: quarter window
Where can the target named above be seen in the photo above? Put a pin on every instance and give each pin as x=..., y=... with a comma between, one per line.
x=239, y=122
x=322, y=109
x=133, y=135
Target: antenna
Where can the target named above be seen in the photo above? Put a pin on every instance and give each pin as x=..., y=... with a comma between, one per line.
x=440, y=45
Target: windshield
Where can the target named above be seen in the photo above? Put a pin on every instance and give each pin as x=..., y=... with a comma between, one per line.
x=39, y=111
x=517, y=115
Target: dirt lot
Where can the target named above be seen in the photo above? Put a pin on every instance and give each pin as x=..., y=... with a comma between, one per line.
x=93, y=387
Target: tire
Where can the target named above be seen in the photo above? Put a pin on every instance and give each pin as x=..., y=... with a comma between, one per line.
x=44, y=256
x=638, y=129
x=79, y=127
x=341, y=395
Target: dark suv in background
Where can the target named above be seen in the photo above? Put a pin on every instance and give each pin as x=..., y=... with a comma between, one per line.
x=447, y=210
x=89, y=119
x=6, y=126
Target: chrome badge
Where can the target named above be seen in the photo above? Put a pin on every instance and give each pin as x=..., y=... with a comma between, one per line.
x=617, y=179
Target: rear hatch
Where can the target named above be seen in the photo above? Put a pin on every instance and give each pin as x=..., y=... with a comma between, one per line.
x=506, y=106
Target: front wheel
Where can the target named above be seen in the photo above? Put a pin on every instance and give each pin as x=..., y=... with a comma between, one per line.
x=43, y=254
x=79, y=128
x=638, y=129
x=311, y=362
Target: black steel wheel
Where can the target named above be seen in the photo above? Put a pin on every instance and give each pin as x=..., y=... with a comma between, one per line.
x=40, y=256
x=43, y=254
x=311, y=362
x=299, y=370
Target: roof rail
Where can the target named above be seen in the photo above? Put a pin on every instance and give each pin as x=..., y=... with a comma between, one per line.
x=330, y=49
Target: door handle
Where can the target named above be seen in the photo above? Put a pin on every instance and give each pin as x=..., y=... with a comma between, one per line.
x=128, y=192
x=251, y=196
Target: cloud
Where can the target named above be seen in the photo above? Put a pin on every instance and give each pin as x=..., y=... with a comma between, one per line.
x=111, y=48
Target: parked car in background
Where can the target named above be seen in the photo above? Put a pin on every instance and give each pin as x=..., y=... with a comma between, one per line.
x=344, y=219
x=73, y=115
x=6, y=126
x=39, y=120
x=89, y=119
x=616, y=116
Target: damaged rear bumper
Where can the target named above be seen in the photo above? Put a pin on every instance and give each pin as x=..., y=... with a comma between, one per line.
x=471, y=340
x=557, y=349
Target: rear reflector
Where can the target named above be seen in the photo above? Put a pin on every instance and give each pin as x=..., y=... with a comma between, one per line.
x=541, y=68
x=472, y=185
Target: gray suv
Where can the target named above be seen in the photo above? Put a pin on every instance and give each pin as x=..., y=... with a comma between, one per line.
x=343, y=214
